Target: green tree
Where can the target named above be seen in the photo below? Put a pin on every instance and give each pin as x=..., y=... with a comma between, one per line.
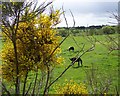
x=63, y=32
x=108, y=30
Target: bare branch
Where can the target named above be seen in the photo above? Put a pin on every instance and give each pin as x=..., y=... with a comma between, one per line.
x=36, y=12
x=47, y=80
x=48, y=71
x=4, y=87
x=73, y=18
x=36, y=76
x=112, y=39
x=65, y=17
x=88, y=50
x=25, y=80
x=28, y=88
x=60, y=42
x=41, y=81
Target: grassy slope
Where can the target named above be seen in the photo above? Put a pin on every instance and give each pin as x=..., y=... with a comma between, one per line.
x=106, y=64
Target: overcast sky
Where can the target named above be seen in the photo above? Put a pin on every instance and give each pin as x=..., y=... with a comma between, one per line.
x=87, y=12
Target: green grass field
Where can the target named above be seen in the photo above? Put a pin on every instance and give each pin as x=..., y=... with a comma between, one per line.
x=105, y=65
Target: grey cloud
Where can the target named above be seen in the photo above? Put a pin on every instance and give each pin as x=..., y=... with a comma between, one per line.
x=92, y=13
x=91, y=7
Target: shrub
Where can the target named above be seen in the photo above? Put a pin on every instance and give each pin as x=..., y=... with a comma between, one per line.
x=62, y=32
x=72, y=88
x=108, y=30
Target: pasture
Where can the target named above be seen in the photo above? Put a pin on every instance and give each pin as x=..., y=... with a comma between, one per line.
x=103, y=65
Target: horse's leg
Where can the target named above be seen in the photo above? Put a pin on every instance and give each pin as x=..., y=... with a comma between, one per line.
x=81, y=62
x=78, y=63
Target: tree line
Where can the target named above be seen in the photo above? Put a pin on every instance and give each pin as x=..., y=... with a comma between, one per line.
x=90, y=30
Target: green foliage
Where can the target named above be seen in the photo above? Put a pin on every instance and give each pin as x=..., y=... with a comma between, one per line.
x=62, y=32
x=118, y=29
x=108, y=30
x=89, y=31
x=92, y=32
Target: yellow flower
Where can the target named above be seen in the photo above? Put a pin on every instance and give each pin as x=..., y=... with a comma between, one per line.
x=71, y=87
x=34, y=46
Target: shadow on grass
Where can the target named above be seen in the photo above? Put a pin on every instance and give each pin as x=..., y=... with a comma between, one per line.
x=80, y=66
